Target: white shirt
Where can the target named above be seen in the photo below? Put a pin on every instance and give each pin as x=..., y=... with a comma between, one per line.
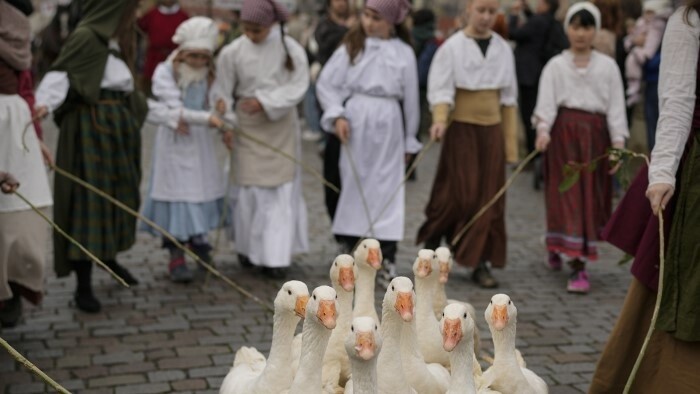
x=53, y=89
x=169, y=10
x=248, y=70
x=597, y=88
x=460, y=64
x=677, y=83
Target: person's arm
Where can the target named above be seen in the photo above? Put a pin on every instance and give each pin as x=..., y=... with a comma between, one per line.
x=52, y=91
x=677, y=82
x=441, y=85
x=278, y=101
x=166, y=91
x=546, y=108
x=330, y=89
x=221, y=93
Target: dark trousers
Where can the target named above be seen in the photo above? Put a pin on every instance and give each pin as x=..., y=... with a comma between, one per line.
x=651, y=111
x=389, y=248
x=331, y=171
x=527, y=96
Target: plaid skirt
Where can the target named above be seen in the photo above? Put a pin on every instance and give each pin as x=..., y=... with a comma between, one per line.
x=101, y=144
x=575, y=218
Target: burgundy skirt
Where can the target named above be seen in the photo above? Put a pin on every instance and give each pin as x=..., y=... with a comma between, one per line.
x=576, y=217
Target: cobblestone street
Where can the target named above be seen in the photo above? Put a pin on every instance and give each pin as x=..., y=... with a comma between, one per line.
x=162, y=337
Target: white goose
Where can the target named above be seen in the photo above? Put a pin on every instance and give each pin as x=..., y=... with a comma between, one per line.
x=368, y=258
x=457, y=327
x=397, y=309
x=363, y=344
x=440, y=301
x=425, y=270
x=251, y=373
x=320, y=320
x=506, y=375
x=424, y=378
x=336, y=364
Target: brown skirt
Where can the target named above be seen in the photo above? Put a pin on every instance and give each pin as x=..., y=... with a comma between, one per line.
x=470, y=172
x=669, y=365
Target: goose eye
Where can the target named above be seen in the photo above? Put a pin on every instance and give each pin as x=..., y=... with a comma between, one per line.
x=336, y=296
x=314, y=297
x=289, y=291
x=509, y=302
x=465, y=315
x=352, y=328
x=392, y=288
x=336, y=263
x=491, y=302
x=375, y=327
x=434, y=256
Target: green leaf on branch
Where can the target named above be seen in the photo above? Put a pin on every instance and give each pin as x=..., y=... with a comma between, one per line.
x=593, y=166
x=569, y=181
x=625, y=259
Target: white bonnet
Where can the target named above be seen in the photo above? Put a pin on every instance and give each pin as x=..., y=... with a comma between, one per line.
x=197, y=33
x=656, y=5
x=584, y=5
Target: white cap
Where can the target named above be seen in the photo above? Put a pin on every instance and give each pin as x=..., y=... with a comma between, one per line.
x=656, y=5
x=197, y=33
x=584, y=5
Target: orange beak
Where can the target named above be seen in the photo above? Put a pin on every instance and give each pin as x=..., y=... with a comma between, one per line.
x=374, y=258
x=327, y=314
x=404, y=306
x=499, y=317
x=444, y=272
x=424, y=268
x=452, y=334
x=347, y=279
x=365, y=347
x=300, y=306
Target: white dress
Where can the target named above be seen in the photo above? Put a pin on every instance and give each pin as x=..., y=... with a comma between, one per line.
x=269, y=213
x=187, y=184
x=378, y=95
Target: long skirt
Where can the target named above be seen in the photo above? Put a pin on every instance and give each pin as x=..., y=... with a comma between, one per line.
x=669, y=365
x=24, y=238
x=470, y=172
x=102, y=145
x=576, y=217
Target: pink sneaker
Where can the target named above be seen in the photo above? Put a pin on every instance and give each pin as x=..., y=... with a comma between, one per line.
x=578, y=283
x=554, y=261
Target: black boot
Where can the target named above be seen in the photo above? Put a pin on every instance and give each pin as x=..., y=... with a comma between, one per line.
x=202, y=249
x=84, y=298
x=122, y=272
x=244, y=261
x=10, y=311
x=482, y=276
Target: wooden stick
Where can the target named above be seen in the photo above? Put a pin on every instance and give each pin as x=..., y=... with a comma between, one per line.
x=71, y=240
x=35, y=370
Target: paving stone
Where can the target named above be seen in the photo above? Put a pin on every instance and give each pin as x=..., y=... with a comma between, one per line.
x=166, y=376
x=117, y=380
x=209, y=372
x=26, y=388
x=73, y=361
x=190, y=384
x=202, y=350
x=184, y=362
x=132, y=368
x=118, y=358
x=149, y=388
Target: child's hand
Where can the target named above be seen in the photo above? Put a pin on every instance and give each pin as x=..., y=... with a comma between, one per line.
x=616, y=145
x=437, y=131
x=659, y=195
x=215, y=122
x=41, y=112
x=221, y=107
x=251, y=106
x=639, y=39
x=542, y=141
x=227, y=138
x=8, y=183
x=182, y=127
x=342, y=130
x=46, y=154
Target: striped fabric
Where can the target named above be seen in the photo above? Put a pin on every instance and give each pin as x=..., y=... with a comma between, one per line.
x=394, y=11
x=263, y=12
x=109, y=157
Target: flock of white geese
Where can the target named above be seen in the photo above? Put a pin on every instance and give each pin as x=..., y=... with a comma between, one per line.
x=423, y=344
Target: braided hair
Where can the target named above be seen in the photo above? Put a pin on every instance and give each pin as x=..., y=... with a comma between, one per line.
x=288, y=62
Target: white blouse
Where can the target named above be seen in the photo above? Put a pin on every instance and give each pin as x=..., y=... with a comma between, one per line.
x=597, y=88
x=677, y=83
x=247, y=70
x=460, y=64
x=53, y=88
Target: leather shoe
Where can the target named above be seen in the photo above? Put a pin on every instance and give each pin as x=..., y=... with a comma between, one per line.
x=275, y=273
x=85, y=301
x=482, y=276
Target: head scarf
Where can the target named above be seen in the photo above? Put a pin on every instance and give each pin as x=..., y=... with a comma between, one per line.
x=263, y=12
x=197, y=33
x=584, y=5
x=394, y=11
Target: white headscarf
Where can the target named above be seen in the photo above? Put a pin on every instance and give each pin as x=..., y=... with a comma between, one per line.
x=197, y=33
x=584, y=5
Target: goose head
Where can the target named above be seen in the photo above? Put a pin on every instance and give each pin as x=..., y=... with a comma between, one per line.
x=501, y=312
x=322, y=307
x=369, y=253
x=444, y=258
x=400, y=296
x=425, y=263
x=455, y=324
x=363, y=341
x=343, y=272
x=292, y=298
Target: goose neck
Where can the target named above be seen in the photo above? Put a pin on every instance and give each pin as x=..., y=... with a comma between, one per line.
x=461, y=365
x=283, y=328
x=313, y=347
x=364, y=376
x=504, y=345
